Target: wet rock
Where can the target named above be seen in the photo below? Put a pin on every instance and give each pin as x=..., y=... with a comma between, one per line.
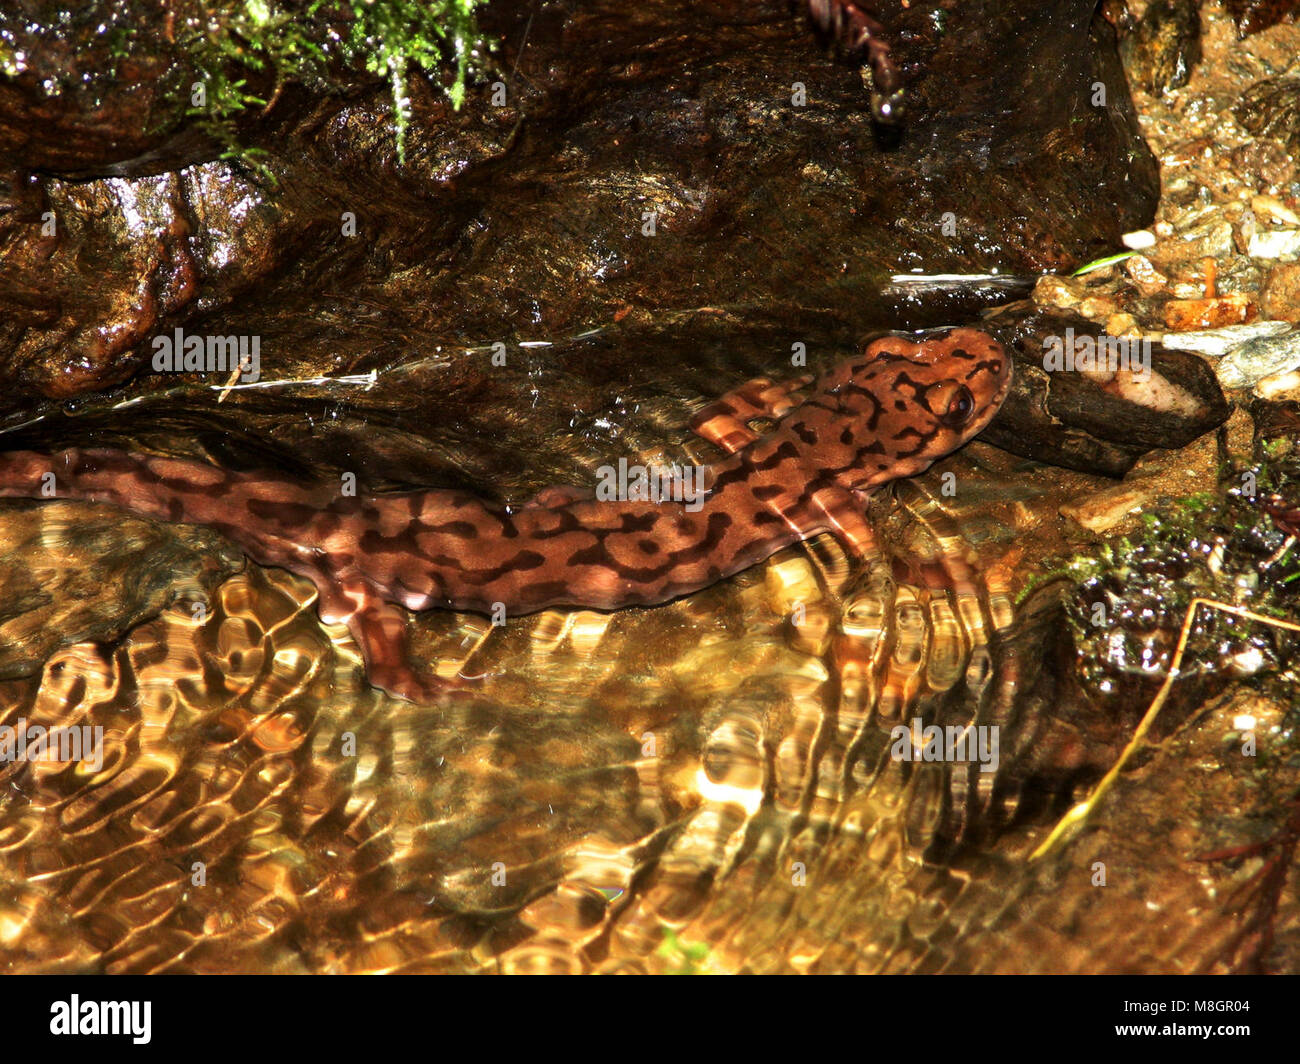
x=1163, y=476
x=100, y=88
x=1279, y=386
x=1146, y=278
x=1219, y=342
x=90, y=575
x=1275, y=244
x=1207, y=313
x=1108, y=508
x=526, y=226
x=1122, y=324
x=1062, y=292
x=1271, y=208
x=1270, y=160
x=1280, y=297
x=1210, y=239
x=1251, y=16
x=1160, y=55
x=1270, y=110
x=103, y=289
x=1258, y=359
x=1097, y=419
x=1098, y=307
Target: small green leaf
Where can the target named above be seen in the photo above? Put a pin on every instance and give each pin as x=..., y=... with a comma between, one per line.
x=1098, y=264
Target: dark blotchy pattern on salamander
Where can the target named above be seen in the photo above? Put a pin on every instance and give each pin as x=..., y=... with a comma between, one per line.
x=887, y=414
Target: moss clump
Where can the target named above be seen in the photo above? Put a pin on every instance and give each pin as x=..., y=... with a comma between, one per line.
x=1130, y=598
x=312, y=41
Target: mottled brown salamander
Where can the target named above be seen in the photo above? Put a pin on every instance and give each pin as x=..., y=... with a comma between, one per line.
x=887, y=414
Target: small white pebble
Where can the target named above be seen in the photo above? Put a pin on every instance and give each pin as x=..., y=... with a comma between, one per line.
x=1278, y=384
x=1214, y=560
x=1275, y=244
x=1248, y=662
x=1139, y=239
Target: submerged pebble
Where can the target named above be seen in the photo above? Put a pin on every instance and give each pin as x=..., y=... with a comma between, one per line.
x=1270, y=109
x=1279, y=386
x=1280, y=296
x=1106, y=509
x=1145, y=277
x=1272, y=207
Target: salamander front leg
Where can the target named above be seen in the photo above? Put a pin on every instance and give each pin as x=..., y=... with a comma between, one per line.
x=841, y=511
x=723, y=422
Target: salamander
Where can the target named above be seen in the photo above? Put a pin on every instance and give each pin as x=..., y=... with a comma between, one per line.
x=886, y=414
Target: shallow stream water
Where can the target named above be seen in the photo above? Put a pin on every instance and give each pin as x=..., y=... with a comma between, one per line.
x=708, y=785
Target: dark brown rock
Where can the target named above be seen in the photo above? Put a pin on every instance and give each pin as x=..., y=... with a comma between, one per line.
x=1085, y=421
x=1271, y=111
x=99, y=88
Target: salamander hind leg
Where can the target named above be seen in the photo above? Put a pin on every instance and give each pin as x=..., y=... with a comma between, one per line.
x=723, y=422
x=379, y=628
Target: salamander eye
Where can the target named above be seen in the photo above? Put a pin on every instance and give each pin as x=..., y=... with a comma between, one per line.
x=960, y=408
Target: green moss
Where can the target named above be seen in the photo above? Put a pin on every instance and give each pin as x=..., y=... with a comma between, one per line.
x=394, y=36
x=684, y=958
x=309, y=41
x=1129, y=597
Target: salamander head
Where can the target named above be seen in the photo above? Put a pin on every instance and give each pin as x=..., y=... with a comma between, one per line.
x=921, y=400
